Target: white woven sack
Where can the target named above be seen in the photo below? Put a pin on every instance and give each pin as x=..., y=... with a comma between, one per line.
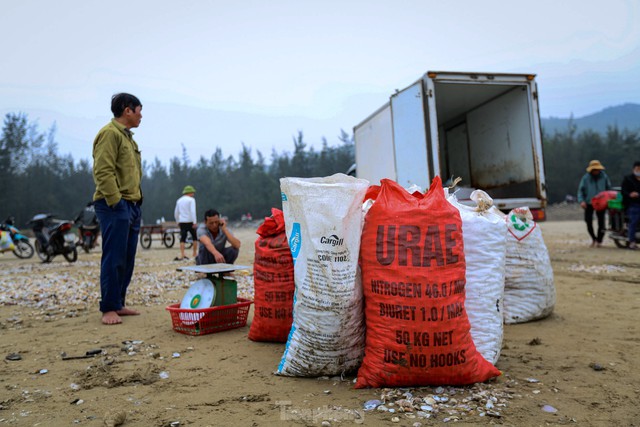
x=323, y=219
x=485, y=236
x=529, y=292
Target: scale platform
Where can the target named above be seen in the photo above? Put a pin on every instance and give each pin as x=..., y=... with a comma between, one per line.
x=226, y=289
x=214, y=268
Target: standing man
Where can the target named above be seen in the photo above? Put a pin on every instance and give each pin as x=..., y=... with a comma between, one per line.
x=631, y=202
x=117, y=171
x=592, y=183
x=185, y=215
x=214, y=235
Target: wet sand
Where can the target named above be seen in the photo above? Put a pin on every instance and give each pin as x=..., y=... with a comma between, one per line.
x=581, y=361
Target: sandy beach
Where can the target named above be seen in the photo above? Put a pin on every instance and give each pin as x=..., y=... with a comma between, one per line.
x=579, y=366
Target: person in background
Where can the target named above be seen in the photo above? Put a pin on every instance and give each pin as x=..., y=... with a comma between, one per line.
x=213, y=236
x=185, y=215
x=592, y=183
x=631, y=202
x=117, y=172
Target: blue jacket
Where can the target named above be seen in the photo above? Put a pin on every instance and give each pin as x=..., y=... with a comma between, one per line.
x=590, y=186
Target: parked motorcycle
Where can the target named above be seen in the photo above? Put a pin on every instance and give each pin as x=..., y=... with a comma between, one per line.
x=88, y=227
x=22, y=247
x=53, y=237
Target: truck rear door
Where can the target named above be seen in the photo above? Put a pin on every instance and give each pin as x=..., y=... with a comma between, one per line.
x=487, y=130
x=410, y=137
x=375, y=158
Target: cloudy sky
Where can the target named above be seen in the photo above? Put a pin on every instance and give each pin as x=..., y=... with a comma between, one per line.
x=219, y=73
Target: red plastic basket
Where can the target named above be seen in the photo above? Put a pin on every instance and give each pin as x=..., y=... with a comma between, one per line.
x=209, y=320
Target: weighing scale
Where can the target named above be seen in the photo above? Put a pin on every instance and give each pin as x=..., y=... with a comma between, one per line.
x=225, y=289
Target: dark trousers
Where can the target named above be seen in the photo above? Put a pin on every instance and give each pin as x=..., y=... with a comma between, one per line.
x=120, y=227
x=187, y=228
x=229, y=253
x=634, y=220
x=588, y=218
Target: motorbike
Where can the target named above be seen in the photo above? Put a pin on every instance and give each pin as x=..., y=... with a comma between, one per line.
x=619, y=223
x=22, y=246
x=88, y=228
x=53, y=237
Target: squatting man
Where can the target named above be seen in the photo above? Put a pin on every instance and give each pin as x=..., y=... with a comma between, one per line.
x=213, y=236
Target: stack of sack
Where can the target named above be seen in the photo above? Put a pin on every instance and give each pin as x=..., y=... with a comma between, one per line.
x=438, y=281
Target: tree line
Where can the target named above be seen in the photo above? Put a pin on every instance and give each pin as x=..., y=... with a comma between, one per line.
x=36, y=178
x=567, y=154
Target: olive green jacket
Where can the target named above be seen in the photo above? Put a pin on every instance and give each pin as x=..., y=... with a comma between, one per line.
x=117, y=165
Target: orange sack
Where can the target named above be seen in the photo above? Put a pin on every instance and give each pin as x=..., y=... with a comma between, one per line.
x=273, y=282
x=413, y=274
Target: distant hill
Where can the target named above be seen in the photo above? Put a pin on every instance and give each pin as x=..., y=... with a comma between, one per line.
x=625, y=116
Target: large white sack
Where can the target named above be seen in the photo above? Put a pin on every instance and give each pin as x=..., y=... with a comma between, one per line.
x=529, y=291
x=484, y=234
x=323, y=218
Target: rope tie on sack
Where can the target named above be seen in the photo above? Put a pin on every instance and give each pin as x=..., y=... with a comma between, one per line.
x=483, y=201
x=483, y=204
x=455, y=182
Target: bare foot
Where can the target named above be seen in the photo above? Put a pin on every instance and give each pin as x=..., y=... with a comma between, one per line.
x=111, y=318
x=124, y=311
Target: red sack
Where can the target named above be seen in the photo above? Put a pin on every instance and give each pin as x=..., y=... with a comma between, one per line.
x=413, y=274
x=372, y=192
x=273, y=282
x=600, y=201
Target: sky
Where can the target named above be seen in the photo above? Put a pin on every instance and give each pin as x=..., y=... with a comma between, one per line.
x=222, y=74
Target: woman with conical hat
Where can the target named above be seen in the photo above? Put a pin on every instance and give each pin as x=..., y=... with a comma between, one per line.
x=592, y=183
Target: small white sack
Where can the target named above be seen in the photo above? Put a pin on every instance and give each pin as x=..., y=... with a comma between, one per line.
x=484, y=233
x=323, y=219
x=529, y=292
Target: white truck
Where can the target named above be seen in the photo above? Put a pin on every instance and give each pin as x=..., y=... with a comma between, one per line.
x=481, y=127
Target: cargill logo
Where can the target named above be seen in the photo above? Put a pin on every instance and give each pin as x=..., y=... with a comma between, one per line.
x=295, y=241
x=332, y=240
